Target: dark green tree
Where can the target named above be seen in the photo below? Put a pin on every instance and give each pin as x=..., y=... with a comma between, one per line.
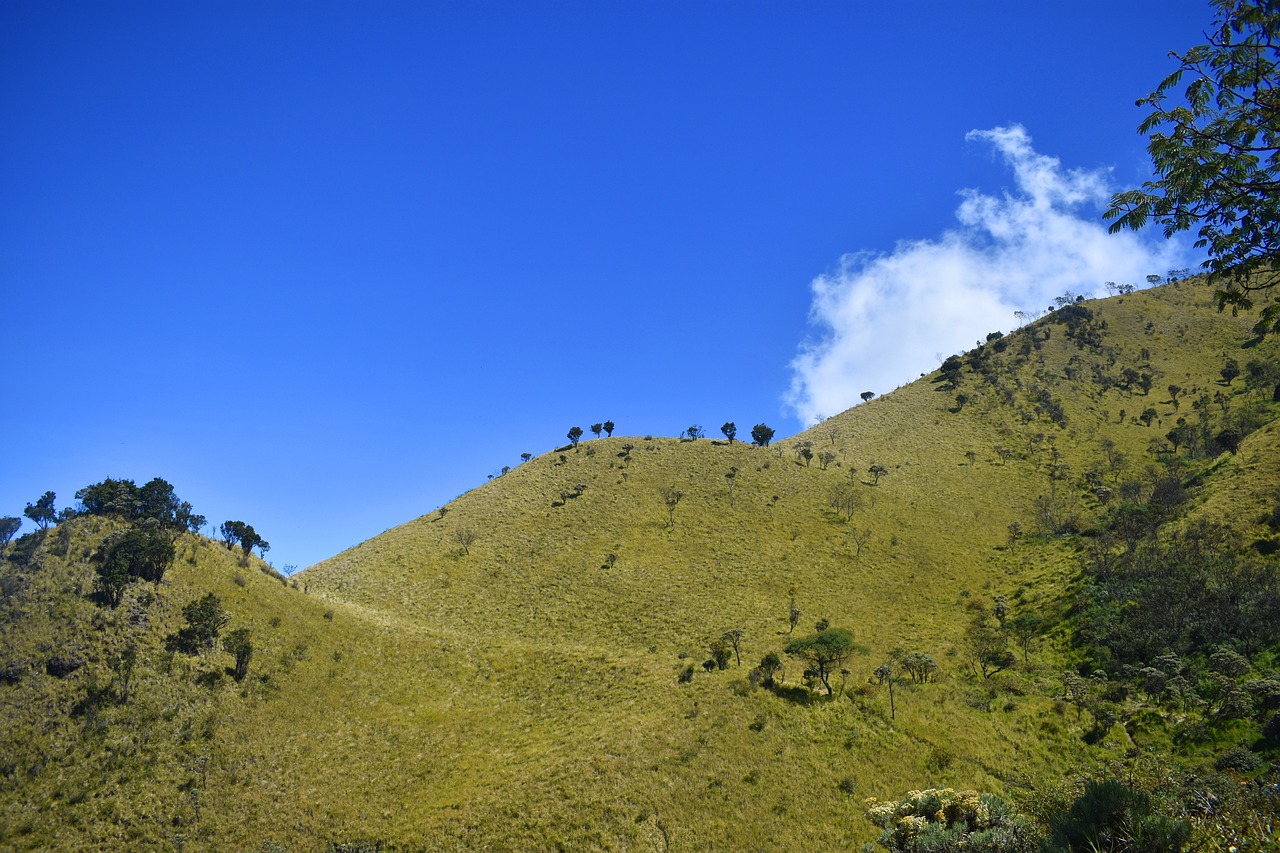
x=608, y=428
x=596, y=429
x=9, y=527
x=237, y=532
x=1110, y=815
x=761, y=435
x=205, y=620
x=42, y=511
x=145, y=552
x=574, y=435
x=730, y=429
x=113, y=577
x=721, y=653
x=1230, y=371
x=238, y=645
x=770, y=666
x=117, y=498
x=823, y=653
x=1217, y=156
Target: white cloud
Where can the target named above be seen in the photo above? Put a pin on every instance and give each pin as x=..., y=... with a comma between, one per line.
x=885, y=318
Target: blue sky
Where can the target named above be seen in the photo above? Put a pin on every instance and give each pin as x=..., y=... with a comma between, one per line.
x=325, y=266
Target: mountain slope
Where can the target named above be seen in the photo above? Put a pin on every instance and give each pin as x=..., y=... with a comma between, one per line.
x=506, y=673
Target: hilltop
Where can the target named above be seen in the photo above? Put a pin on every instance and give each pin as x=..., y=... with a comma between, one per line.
x=532, y=665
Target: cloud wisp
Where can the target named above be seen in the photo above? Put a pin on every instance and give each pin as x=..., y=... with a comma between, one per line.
x=885, y=318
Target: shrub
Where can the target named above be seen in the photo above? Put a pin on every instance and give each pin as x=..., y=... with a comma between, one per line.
x=942, y=819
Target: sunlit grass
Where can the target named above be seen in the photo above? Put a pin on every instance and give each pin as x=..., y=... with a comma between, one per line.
x=523, y=695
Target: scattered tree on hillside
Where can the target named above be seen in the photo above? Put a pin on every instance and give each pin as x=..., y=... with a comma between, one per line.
x=42, y=511
x=1024, y=628
x=574, y=435
x=730, y=429
x=205, y=620
x=886, y=674
x=9, y=527
x=721, y=653
x=525, y=457
x=465, y=536
x=1230, y=371
x=823, y=653
x=238, y=645
x=866, y=396
x=877, y=471
x=770, y=667
x=596, y=429
x=987, y=647
x=825, y=458
x=919, y=666
x=144, y=552
x=804, y=450
x=608, y=428
x=859, y=538
x=237, y=532
x=844, y=498
x=671, y=497
x=734, y=638
x=761, y=435
x=694, y=431
x=1217, y=156
x=793, y=611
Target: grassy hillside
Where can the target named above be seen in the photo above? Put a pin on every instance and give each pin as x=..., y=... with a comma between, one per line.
x=505, y=673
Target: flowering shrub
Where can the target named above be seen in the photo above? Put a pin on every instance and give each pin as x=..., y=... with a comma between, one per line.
x=940, y=820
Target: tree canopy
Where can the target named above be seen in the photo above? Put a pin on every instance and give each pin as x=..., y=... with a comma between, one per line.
x=155, y=499
x=144, y=552
x=42, y=511
x=823, y=653
x=1217, y=156
x=237, y=532
x=761, y=435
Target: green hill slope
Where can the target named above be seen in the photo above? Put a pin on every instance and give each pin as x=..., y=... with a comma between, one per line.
x=507, y=673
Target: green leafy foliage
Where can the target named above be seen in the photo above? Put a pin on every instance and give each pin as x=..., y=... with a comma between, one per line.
x=1217, y=154
x=205, y=620
x=142, y=553
x=761, y=435
x=823, y=653
x=42, y=511
x=238, y=644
